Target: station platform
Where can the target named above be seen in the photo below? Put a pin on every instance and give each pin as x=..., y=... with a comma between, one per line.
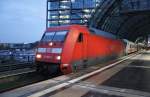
x=127, y=77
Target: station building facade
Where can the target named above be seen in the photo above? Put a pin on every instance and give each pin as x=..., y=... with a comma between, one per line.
x=65, y=12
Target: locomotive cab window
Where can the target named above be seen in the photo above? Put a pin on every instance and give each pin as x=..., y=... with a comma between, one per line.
x=80, y=38
x=55, y=36
x=48, y=36
x=60, y=36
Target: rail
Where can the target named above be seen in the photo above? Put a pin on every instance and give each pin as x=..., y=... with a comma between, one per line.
x=67, y=83
x=16, y=66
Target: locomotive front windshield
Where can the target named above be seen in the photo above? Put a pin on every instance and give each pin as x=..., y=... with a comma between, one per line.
x=48, y=36
x=55, y=36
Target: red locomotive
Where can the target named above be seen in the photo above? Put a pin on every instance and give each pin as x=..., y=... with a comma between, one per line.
x=74, y=47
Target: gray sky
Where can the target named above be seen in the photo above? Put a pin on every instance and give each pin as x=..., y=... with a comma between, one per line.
x=22, y=20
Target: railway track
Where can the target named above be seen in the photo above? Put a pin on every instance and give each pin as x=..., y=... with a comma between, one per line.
x=20, y=79
x=78, y=79
x=15, y=66
x=26, y=78
x=15, y=75
x=8, y=82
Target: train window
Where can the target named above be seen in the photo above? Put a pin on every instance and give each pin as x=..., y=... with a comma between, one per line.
x=60, y=36
x=80, y=38
x=55, y=36
x=48, y=36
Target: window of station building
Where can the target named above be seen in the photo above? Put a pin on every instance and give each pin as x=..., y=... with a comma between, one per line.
x=65, y=4
x=53, y=23
x=53, y=13
x=65, y=24
x=48, y=15
x=76, y=15
x=86, y=10
x=64, y=12
x=49, y=4
x=80, y=37
x=64, y=16
x=64, y=21
x=54, y=17
x=89, y=4
x=64, y=7
x=76, y=21
x=77, y=4
x=53, y=5
x=86, y=15
x=98, y=1
x=77, y=10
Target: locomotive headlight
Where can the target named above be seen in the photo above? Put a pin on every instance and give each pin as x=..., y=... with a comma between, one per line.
x=58, y=57
x=50, y=44
x=38, y=56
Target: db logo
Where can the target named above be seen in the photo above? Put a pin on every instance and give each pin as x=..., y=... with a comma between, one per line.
x=47, y=57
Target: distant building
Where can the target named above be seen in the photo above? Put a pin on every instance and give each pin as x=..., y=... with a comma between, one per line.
x=18, y=45
x=4, y=45
x=64, y=12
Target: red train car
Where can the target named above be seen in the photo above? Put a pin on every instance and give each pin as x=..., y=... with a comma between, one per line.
x=74, y=47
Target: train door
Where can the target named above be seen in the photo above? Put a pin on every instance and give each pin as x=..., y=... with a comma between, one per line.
x=83, y=40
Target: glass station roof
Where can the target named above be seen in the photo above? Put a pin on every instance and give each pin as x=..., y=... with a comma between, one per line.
x=126, y=18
